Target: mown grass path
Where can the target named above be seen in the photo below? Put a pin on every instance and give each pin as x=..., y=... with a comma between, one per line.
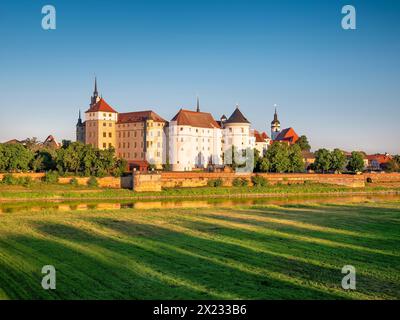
x=257, y=252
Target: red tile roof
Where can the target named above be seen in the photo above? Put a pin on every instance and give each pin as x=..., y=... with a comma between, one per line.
x=195, y=119
x=380, y=158
x=260, y=137
x=139, y=116
x=287, y=135
x=101, y=106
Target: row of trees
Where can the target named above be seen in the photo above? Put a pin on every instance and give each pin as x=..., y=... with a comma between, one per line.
x=336, y=161
x=75, y=158
x=280, y=157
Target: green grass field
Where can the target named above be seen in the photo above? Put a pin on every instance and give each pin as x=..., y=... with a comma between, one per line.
x=257, y=252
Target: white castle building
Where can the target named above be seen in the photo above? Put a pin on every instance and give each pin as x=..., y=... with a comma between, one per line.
x=197, y=140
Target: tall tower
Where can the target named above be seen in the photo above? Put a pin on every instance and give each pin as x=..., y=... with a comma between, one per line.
x=95, y=98
x=275, y=126
x=100, y=124
x=80, y=129
x=198, y=105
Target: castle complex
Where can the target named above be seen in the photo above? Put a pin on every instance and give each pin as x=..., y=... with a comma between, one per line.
x=191, y=140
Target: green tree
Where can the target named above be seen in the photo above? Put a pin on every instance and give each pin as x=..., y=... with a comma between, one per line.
x=322, y=160
x=296, y=163
x=303, y=143
x=338, y=160
x=278, y=156
x=16, y=157
x=356, y=162
x=3, y=159
x=392, y=166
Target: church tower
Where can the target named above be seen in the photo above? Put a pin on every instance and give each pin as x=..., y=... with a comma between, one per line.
x=100, y=122
x=95, y=98
x=275, y=126
x=80, y=129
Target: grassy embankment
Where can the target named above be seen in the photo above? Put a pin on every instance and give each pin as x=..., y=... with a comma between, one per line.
x=258, y=252
x=58, y=191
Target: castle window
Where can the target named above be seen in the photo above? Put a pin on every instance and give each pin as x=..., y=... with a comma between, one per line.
x=135, y=155
x=110, y=115
x=109, y=145
x=128, y=145
x=109, y=134
x=129, y=134
x=104, y=124
x=135, y=144
x=123, y=145
x=110, y=125
x=104, y=134
x=104, y=145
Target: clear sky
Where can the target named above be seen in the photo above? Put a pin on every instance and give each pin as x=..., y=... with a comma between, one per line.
x=339, y=87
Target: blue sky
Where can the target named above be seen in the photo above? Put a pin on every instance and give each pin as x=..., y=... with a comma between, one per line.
x=340, y=88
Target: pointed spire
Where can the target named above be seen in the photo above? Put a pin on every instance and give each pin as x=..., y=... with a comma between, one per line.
x=80, y=118
x=95, y=93
x=198, y=105
x=275, y=121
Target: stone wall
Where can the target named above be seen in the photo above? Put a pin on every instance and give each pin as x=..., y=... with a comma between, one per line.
x=199, y=179
x=106, y=182
x=34, y=176
x=146, y=182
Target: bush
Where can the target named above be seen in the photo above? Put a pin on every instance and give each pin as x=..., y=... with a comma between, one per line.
x=240, y=182
x=259, y=181
x=74, y=182
x=92, y=182
x=51, y=177
x=26, y=181
x=9, y=179
x=214, y=183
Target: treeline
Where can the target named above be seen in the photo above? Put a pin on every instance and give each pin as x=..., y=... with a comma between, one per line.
x=337, y=162
x=72, y=158
x=281, y=158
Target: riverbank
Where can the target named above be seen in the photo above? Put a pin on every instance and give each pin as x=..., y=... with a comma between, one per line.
x=44, y=191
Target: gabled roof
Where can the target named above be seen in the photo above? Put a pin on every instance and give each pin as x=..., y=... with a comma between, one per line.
x=307, y=154
x=287, y=135
x=380, y=158
x=13, y=141
x=195, y=119
x=101, y=106
x=260, y=136
x=237, y=117
x=139, y=116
